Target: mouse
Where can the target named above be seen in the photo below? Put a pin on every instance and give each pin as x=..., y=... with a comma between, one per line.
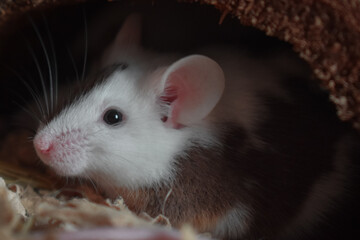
x=231, y=144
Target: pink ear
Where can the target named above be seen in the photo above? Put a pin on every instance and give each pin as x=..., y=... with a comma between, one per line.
x=192, y=86
x=130, y=32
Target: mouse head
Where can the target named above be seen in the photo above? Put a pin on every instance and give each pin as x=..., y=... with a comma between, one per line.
x=129, y=128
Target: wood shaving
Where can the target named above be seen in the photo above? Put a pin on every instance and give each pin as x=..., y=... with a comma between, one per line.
x=24, y=213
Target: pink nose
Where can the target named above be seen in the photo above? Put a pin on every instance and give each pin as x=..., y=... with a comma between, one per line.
x=43, y=145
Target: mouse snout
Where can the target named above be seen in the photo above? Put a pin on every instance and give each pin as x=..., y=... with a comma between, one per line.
x=43, y=145
x=64, y=151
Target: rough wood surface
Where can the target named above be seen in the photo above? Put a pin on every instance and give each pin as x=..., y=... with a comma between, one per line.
x=325, y=33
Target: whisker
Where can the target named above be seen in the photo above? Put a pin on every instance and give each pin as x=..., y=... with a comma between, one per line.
x=27, y=111
x=40, y=102
x=164, y=202
x=92, y=183
x=32, y=114
x=36, y=29
x=79, y=179
x=86, y=44
x=36, y=61
x=30, y=138
x=73, y=63
x=52, y=47
x=110, y=185
x=33, y=92
x=66, y=180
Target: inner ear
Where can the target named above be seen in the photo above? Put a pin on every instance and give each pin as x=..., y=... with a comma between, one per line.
x=191, y=87
x=168, y=96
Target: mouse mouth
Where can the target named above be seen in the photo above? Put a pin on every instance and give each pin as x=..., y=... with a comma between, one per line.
x=65, y=161
x=65, y=152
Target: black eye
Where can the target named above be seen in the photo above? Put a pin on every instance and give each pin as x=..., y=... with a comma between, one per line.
x=112, y=117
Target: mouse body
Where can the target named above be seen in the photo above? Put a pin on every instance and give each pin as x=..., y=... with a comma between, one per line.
x=227, y=143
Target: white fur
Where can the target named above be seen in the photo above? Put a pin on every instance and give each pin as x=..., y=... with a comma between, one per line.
x=234, y=224
x=139, y=152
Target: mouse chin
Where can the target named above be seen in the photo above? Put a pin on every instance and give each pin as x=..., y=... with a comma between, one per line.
x=68, y=171
x=66, y=166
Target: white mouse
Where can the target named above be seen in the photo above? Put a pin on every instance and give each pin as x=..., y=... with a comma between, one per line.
x=214, y=139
